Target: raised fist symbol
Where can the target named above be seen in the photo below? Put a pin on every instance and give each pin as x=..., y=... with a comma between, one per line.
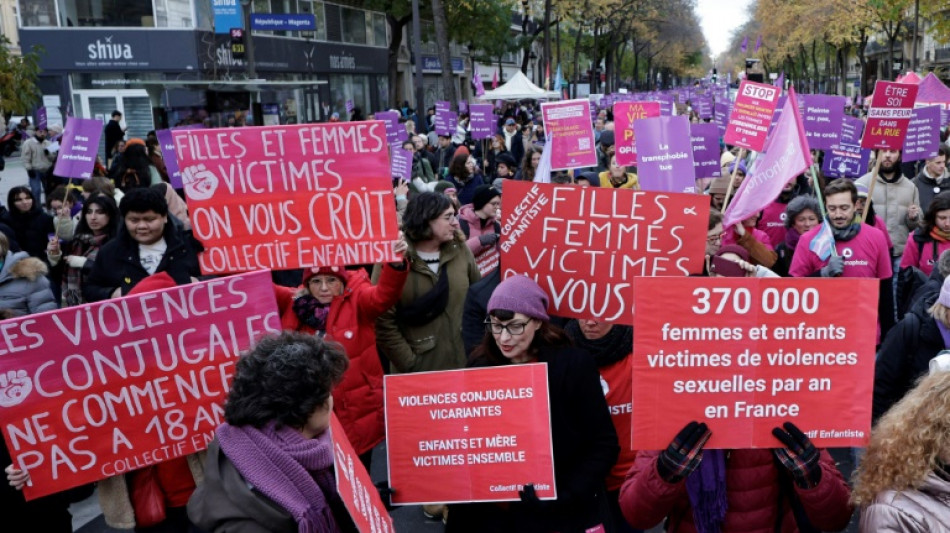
x=200, y=183
x=15, y=386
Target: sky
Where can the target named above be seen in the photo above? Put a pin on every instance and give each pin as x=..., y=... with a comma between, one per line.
x=718, y=18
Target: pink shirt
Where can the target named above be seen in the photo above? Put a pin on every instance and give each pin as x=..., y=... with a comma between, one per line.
x=730, y=237
x=773, y=222
x=925, y=260
x=865, y=256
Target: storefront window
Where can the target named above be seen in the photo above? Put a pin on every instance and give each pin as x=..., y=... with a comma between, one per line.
x=37, y=13
x=349, y=87
x=173, y=14
x=377, y=22
x=354, y=25
x=109, y=13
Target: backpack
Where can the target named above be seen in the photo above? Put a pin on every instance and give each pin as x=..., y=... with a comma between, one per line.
x=910, y=280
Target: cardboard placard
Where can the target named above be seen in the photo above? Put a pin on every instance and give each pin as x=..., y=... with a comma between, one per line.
x=624, y=137
x=79, y=147
x=355, y=487
x=751, y=115
x=570, y=133
x=891, y=109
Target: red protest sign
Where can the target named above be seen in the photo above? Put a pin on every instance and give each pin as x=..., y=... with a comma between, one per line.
x=286, y=197
x=106, y=388
x=892, y=107
x=625, y=139
x=355, y=486
x=570, y=132
x=747, y=354
x=583, y=244
x=469, y=435
x=751, y=115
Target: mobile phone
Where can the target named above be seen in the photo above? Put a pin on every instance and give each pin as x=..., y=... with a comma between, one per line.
x=725, y=267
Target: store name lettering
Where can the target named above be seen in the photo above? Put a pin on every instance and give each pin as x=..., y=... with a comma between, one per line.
x=343, y=62
x=109, y=50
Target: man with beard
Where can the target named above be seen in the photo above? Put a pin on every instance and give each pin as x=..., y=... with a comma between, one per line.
x=895, y=199
x=860, y=251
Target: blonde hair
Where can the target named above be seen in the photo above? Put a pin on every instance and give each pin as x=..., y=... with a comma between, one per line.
x=908, y=442
x=941, y=313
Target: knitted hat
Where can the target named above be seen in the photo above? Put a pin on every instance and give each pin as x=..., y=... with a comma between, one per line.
x=606, y=138
x=441, y=186
x=520, y=294
x=733, y=249
x=312, y=272
x=862, y=190
x=507, y=159
x=732, y=166
x=483, y=195
x=799, y=204
x=944, y=298
x=462, y=150
x=509, y=122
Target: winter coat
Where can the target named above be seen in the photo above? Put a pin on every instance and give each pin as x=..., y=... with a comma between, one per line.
x=891, y=200
x=927, y=187
x=632, y=182
x=922, y=510
x=24, y=287
x=903, y=357
x=34, y=156
x=754, y=491
x=466, y=190
x=486, y=257
x=117, y=265
x=115, y=498
x=226, y=503
x=32, y=231
x=922, y=252
x=585, y=448
x=358, y=399
x=436, y=345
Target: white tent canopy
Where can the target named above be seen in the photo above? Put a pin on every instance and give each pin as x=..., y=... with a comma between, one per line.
x=519, y=87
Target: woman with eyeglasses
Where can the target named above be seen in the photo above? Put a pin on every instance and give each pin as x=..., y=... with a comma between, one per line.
x=518, y=331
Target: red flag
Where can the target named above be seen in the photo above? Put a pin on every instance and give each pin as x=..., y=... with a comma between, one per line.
x=494, y=80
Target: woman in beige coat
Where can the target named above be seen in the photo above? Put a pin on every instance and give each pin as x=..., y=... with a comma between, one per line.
x=904, y=480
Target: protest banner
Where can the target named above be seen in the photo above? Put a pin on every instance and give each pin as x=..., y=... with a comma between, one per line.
x=355, y=487
x=747, y=354
x=625, y=139
x=889, y=115
x=705, y=141
x=821, y=117
x=400, y=162
x=395, y=132
x=751, y=115
x=570, y=133
x=469, y=435
x=582, y=245
x=703, y=107
x=847, y=158
x=286, y=197
x=99, y=390
x=481, y=121
x=78, y=148
x=441, y=122
x=666, y=154
x=923, y=134
x=167, y=146
x=666, y=104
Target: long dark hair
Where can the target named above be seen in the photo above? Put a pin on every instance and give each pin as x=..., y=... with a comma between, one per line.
x=488, y=354
x=11, y=201
x=133, y=168
x=941, y=202
x=105, y=203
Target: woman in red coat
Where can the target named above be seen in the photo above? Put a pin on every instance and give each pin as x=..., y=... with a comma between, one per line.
x=342, y=305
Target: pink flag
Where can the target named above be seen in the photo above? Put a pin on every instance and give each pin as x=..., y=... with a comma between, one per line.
x=780, y=81
x=785, y=156
x=494, y=80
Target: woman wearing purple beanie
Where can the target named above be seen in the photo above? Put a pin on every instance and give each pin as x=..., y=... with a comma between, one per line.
x=518, y=331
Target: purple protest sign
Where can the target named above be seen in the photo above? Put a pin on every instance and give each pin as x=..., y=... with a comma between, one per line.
x=721, y=113
x=705, y=141
x=79, y=144
x=703, y=107
x=167, y=146
x=453, y=122
x=822, y=119
x=847, y=158
x=481, y=121
x=923, y=134
x=463, y=107
x=395, y=132
x=400, y=161
x=666, y=105
x=41, y=119
x=665, y=154
x=442, y=111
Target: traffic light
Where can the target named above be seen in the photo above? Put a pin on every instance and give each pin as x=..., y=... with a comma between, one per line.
x=237, y=43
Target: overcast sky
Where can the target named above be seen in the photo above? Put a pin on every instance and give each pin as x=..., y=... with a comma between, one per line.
x=718, y=19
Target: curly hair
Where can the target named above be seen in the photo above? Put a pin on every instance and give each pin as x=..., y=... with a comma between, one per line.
x=908, y=442
x=422, y=209
x=284, y=379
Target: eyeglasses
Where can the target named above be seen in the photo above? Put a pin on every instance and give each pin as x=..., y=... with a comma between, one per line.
x=513, y=328
x=714, y=238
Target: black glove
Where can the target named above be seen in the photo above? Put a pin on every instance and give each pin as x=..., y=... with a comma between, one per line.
x=385, y=494
x=684, y=454
x=488, y=239
x=799, y=456
x=833, y=268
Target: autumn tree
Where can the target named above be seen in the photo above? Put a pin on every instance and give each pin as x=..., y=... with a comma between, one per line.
x=18, y=77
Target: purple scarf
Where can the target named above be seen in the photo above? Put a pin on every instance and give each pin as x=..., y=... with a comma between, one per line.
x=295, y=472
x=791, y=239
x=311, y=312
x=944, y=332
x=706, y=488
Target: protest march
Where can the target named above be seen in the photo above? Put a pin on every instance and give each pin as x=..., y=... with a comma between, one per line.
x=499, y=313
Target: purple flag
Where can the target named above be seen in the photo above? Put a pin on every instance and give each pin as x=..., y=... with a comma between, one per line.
x=349, y=106
x=664, y=154
x=822, y=119
x=77, y=153
x=923, y=134
x=401, y=162
x=477, y=81
x=463, y=107
x=167, y=145
x=41, y=120
x=780, y=81
x=758, y=43
x=785, y=156
x=395, y=132
x=481, y=121
x=745, y=44
x=705, y=140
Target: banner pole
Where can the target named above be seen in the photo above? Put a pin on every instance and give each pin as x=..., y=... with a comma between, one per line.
x=735, y=170
x=874, y=171
x=819, y=194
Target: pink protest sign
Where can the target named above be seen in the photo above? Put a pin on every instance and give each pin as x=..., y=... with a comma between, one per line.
x=570, y=133
x=892, y=107
x=102, y=389
x=751, y=115
x=624, y=115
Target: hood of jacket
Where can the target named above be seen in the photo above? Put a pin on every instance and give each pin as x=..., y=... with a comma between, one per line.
x=21, y=265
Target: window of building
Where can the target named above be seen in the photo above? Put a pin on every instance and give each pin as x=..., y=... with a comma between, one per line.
x=173, y=14
x=354, y=25
x=109, y=13
x=316, y=8
x=37, y=13
x=377, y=23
